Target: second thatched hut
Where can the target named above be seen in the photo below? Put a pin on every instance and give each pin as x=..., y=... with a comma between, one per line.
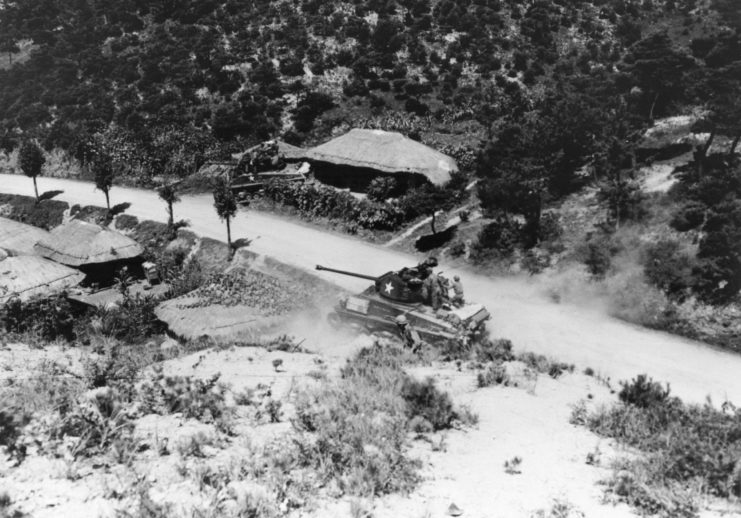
x=97, y=251
x=19, y=238
x=354, y=159
x=29, y=276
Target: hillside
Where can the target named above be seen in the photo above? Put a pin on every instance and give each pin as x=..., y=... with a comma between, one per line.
x=166, y=85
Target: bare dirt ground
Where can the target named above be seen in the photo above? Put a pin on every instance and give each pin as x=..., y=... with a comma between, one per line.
x=521, y=310
x=465, y=466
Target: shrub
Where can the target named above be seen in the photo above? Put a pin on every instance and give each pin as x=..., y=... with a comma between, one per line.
x=643, y=392
x=309, y=107
x=544, y=365
x=133, y=321
x=668, y=268
x=687, y=448
x=98, y=421
x=126, y=222
x=382, y=188
x=49, y=318
x=689, y=216
x=717, y=275
x=457, y=249
x=495, y=374
x=499, y=350
x=597, y=252
x=183, y=277
x=117, y=367
x=358, y=434
x=320, y=201
x=624, y=198
x=512, y=466
x=550, y=227
x=12, y=421
x=500, y=237
x=425, y=400
x=153, y=236
x=355, y=88
x=6, y=508
x=354, y=430
x=195, y=398
x=416, y=107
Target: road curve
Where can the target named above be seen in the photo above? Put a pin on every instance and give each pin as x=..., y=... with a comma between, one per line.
x=520, y=312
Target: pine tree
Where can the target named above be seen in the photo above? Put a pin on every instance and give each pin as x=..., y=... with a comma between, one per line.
x=31, y=160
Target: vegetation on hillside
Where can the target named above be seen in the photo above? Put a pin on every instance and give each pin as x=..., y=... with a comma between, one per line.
x=690, y=451
x=161, y=87
x=537, y=99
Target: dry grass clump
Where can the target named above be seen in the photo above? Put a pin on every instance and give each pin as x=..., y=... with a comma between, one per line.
x=45, y=319
x=354, y=431
x=690, y=451
x=133, y=321
x=193, y=397
x=491, y=355
x=494, y=374
x=544, y=365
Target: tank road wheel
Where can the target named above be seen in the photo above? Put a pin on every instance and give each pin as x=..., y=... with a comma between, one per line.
x=334, y=320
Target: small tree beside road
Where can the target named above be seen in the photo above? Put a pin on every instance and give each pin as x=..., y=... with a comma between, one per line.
x=225, y=204
x=31, y=160
x=103, y=168
x=168, y=193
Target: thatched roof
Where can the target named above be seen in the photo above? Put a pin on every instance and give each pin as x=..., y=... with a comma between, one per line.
x=26, y=276
x=78, y=243
x=386, y=152
x=19, y=238
x=289, y=152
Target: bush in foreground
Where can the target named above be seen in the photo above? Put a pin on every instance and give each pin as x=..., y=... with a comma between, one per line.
x=133, y=321
x=689, y=450
x=354, y=430
x=47, y=319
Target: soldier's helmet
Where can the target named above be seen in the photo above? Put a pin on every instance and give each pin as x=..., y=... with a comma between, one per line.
x=401, y=320
x=432, y=261
x=456, y=278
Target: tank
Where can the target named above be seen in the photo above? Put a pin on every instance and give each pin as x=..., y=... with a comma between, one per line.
x=402, y=292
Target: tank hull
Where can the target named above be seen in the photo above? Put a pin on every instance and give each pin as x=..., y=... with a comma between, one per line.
x=371, y=313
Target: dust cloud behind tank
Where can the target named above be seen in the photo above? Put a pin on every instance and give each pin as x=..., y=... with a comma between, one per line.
x=403, y=292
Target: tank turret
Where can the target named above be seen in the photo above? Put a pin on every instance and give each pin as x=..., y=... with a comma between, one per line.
x=402, y=286
x=400, y=295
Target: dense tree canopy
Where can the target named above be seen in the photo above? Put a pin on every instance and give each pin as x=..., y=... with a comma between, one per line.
x=210, y=77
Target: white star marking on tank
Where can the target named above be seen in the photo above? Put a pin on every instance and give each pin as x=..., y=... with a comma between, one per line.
x=389, y=288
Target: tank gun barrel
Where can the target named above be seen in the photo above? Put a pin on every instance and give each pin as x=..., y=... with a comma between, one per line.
x=343, y=272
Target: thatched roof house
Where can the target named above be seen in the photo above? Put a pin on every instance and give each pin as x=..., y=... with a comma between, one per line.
x=27, y=276
x=79, y=243
x=365, y=154
x=19, y=238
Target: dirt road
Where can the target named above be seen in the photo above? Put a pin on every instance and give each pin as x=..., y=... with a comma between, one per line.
x=520, y=311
